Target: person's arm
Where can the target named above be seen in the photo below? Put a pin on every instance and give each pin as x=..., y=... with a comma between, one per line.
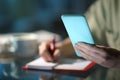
x=66, y=48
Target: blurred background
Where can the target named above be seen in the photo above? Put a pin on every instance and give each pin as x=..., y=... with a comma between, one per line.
x=33, y=15
x=17, y=16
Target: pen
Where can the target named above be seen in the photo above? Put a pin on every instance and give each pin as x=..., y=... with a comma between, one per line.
x=52, y=46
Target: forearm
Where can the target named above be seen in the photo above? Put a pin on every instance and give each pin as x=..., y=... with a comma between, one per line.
x=66, y=48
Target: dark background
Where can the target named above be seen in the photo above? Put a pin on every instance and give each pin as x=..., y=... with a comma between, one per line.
x=33, y=15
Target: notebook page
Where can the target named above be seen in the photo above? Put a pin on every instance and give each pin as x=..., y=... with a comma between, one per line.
x=72, y=64
x=40, y=63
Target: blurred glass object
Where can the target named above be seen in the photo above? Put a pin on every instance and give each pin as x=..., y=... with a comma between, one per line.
x=26, y=45
x=6, y=49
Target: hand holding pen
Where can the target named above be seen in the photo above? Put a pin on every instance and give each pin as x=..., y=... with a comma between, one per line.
x=48, y=50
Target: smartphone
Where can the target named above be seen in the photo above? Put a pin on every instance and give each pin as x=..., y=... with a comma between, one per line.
x=77, y=29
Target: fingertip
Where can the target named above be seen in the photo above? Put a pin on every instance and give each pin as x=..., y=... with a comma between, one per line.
x=48, y=59
x=76, y=47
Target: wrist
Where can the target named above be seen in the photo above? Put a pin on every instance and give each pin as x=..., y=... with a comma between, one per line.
x=66, y=49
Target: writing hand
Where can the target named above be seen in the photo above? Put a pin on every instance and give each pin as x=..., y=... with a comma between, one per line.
x=48, y=51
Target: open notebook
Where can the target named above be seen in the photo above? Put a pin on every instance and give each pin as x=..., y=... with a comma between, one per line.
x=66, y=64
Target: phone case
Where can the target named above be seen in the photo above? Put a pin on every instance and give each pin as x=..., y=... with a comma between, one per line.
x=77, y=29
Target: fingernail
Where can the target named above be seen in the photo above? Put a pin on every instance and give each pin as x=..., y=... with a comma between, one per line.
x=75, y=46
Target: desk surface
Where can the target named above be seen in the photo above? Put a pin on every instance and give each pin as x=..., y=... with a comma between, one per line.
x=12, y=70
